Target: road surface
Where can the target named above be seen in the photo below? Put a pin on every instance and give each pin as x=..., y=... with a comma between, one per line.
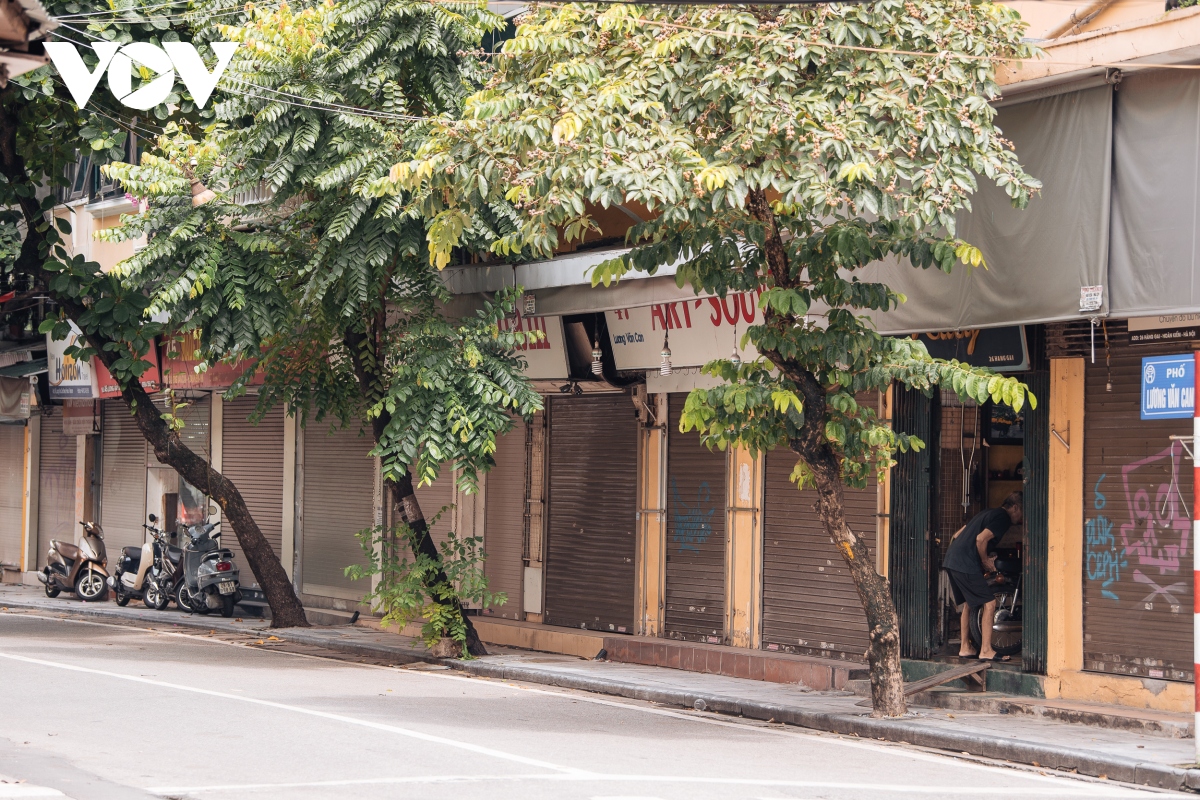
x=99, y=711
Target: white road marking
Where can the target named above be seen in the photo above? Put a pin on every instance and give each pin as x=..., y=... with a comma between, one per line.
x=893, y=749
x=22, y=790
x=380, y=726
x=929, y=790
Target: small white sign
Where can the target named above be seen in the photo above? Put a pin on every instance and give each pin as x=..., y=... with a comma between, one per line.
x=700, y=330
x=1091, y=298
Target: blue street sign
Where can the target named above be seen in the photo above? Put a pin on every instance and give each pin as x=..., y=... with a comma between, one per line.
x=1168, y=387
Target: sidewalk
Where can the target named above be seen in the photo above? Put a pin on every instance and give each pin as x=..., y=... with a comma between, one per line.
x=1160, y=760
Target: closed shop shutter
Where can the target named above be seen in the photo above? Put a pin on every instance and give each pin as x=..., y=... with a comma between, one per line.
x=1137, y=586
x=252, y=457
x=123, y=478
x=56, y=485
x=695, y=586
x=504, y=523
x=810, y=603
x=592, y=500
x=12, y=492
x=338, y=502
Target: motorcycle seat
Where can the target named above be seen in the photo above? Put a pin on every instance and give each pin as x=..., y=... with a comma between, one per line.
x=65, y=549
x=134, y=553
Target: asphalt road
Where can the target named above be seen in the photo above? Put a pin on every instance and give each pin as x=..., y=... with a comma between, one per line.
x=108, y=712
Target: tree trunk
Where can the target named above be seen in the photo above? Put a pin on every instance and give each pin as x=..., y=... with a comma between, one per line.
x=883, y=653
x=286, y=608
x=404, y=501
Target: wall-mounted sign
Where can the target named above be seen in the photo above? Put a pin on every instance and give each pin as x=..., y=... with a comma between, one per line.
x=999, y=349
x=68, y=376
x=1168, y=387
x=80, y=417
x=106, y=384
x=1164, y=328
x=545, y=359
x=701, y=330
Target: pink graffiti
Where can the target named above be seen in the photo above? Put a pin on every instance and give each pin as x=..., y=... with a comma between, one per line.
x=1164, y=517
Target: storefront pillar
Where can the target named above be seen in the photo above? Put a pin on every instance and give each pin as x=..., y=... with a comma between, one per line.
x=288, y=541
x=33, y=440
x=85, y=467
x=743, y=561
x=1064, y=563
x=650, y=600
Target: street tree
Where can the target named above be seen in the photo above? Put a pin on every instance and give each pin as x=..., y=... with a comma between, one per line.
x=41, y=133
x=782, y=149
x=355, y=324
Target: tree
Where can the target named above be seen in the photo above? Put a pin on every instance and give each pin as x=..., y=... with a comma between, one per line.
x=783, y=149
x=329, y=288
x=41, y=130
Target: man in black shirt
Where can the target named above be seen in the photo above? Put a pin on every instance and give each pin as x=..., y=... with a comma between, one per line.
x=968, y=560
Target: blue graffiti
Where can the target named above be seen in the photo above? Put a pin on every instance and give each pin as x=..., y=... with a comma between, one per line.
x=691, y=524
x=1104, y=560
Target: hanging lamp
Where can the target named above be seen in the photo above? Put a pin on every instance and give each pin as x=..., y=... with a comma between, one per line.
x=665, y=369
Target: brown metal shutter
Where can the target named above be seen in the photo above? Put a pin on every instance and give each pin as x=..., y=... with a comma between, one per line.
x=56, y=486
x=123, y=477
x=252, y=457
x=810, y=604
x=695, y=586
x=12, y=492
x=504, y=523
x=591, y=516
x=1137, y=573
x=338, y=502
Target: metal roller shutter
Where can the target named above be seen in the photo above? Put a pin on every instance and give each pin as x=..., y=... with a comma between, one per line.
x=591, y=516
x=56, y=485
x=810, y=603
x=695, y=585
x=338, y=502
x=504, y=523
x=252, y=457
x=1137, y=587
x=123, y=477
x=12, y=492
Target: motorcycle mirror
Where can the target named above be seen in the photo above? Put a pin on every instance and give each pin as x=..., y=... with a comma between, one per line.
x=152, y=518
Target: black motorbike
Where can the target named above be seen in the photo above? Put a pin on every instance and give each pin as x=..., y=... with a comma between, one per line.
x=162, y=582
x=1006, y=620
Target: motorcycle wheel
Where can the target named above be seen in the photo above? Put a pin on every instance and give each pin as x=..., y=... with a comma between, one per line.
x=183, y=597
x=122, y=598
x=90, y=587
x=227, y=606
x=155, y=598
x=1006, y=630
x=51, y=591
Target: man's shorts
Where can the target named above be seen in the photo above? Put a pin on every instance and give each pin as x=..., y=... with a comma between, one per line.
x=970, y=588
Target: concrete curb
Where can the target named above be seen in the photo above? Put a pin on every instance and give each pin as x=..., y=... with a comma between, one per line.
x=902, y=731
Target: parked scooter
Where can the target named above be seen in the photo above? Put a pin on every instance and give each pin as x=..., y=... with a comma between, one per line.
x=1007, y=624
x=210, y=578
x=80, y=569
x=131, y=579
x=162, y=583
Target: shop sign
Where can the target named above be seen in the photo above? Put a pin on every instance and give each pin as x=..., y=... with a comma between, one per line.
x=999, y=349
x=68, y=376
x=80, y=417
x=1164, y=328
x=1168, y=387
x=183, y=358
x=106, y=384
x=545, y=359
x=700, y=330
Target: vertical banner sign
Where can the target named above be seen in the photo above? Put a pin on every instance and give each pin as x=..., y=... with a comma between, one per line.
x=1195, y=564
x=69, y=378
x=1168, y=387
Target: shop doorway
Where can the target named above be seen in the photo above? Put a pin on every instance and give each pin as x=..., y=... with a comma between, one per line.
x=980, y=461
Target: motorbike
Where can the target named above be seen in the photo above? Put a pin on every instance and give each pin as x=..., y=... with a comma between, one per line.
x=162, y=583
x=210, y=577
x=82, y=568
x=131, y=580
x=1006, y=620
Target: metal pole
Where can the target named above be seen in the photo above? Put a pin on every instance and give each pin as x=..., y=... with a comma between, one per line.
x=1196, y=533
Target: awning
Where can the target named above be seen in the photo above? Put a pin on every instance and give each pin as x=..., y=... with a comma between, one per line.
x=1039, y=258
x=1156, y=195
x=24, y=369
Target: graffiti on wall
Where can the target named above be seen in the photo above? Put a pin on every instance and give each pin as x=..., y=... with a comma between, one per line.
x=691, y=523
x=1152, y=540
